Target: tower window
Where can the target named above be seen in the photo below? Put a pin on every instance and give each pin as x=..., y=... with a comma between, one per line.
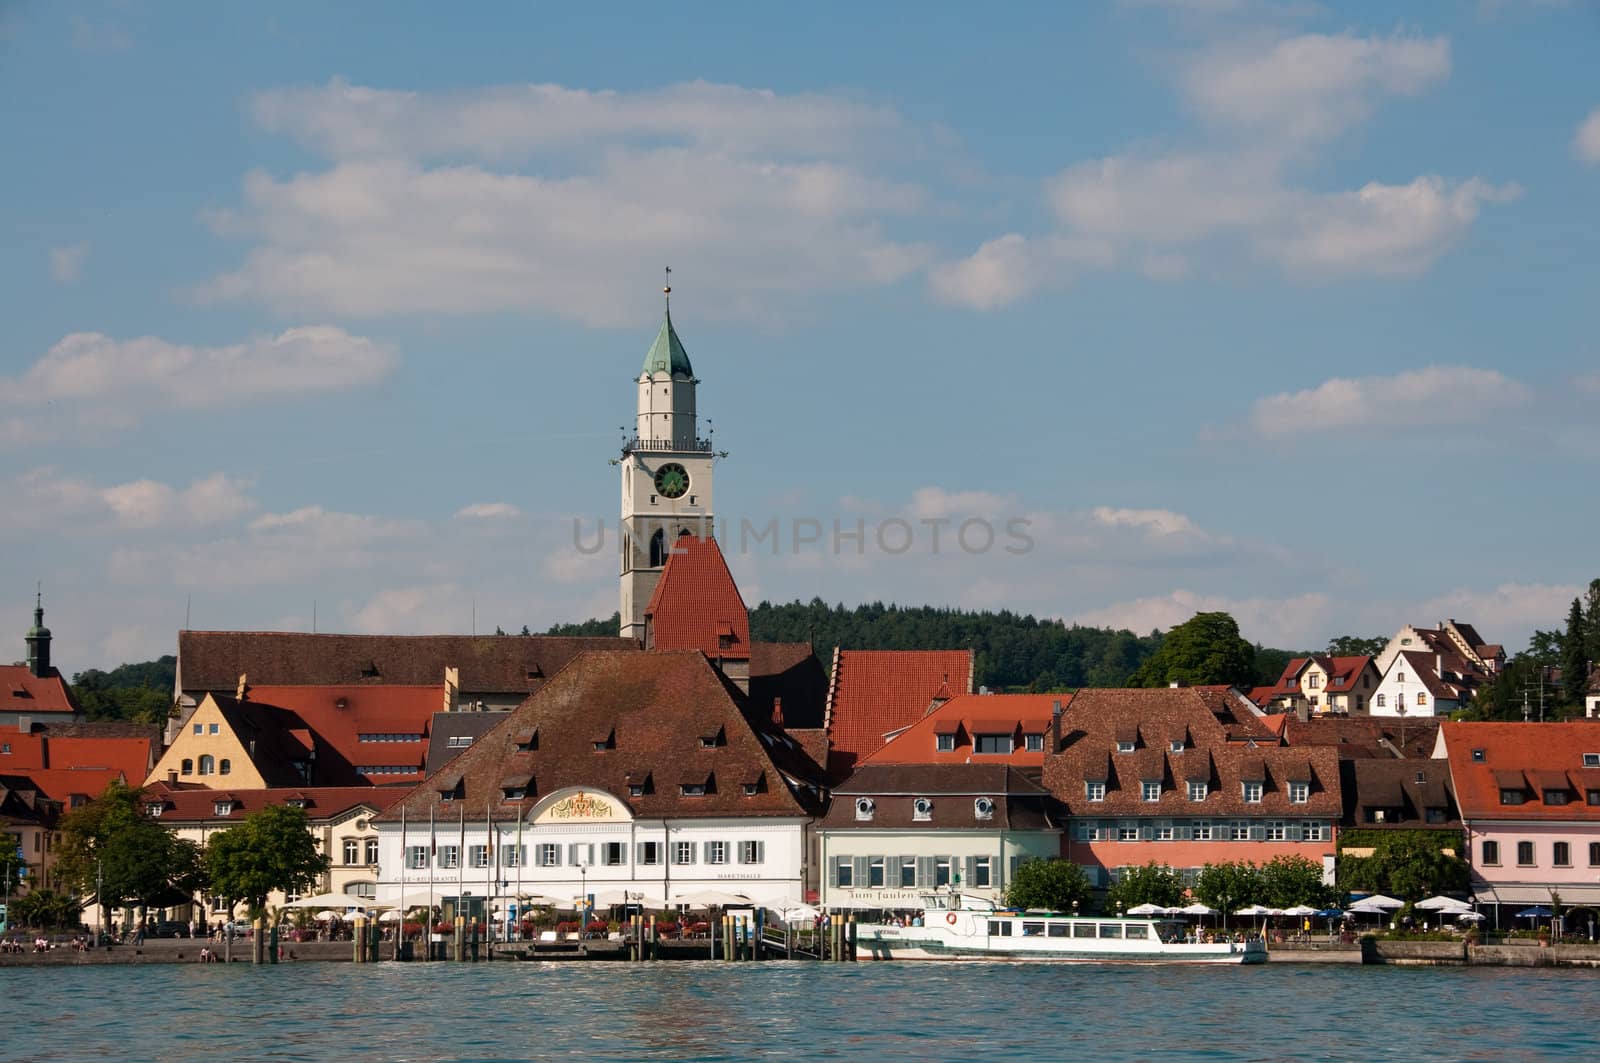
x=658, y=547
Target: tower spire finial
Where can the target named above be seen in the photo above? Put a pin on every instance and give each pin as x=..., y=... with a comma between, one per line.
x=666, y=289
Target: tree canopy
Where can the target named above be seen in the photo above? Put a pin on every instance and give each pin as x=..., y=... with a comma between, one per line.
x=112, y=845
x=1228, y=887
x=1204, y=649
x=1352, y=646
x=1151, y=884
x=1287, y=881
x=271, y=850
x=139, y=692
x=1407, y=864
x=1052, y=885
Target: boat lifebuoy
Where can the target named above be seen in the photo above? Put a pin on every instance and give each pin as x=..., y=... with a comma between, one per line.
x=951, y=918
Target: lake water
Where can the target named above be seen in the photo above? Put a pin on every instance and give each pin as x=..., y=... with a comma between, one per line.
x=783, y=1011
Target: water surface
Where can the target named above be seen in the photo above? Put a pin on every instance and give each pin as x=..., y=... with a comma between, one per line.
x=794, y=1011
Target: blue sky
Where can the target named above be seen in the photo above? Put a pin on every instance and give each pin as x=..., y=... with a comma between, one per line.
x=1286, y=309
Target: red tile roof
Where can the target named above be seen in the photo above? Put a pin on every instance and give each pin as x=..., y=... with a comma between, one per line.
x=1510, y=750
x=23, y=692
x=696, y=604
x=339, y=715
x=1362, y=736
x=968, y=715
x=874, y=693
x=61, y=784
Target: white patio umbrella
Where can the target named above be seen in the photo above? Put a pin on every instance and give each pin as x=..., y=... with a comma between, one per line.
x=1468, y=916
x=329, y=916
x=391, y=916
x=1434, y=904
x=1258, y=909
x=798, y=913
x=1147, y=909
x=1198, y=909
x=617, y=895
x=1378, y=900
x=328, y=900
x=1301, y=910
x=1366, y=909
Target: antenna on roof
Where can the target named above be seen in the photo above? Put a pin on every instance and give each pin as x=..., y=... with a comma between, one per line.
x=313, y=616
x=474, y=616
x=188, y=603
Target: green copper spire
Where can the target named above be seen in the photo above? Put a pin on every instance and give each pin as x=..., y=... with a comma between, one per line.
x=666, y=354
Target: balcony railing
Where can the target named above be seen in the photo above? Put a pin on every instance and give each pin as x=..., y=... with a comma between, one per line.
x=701, y=446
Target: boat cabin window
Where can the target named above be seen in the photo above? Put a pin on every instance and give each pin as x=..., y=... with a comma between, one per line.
x=1060, y=930
x=1083, y=930
x=1000, y=928
x=1110, y=930
x=1033, y=930
x=1136, y=931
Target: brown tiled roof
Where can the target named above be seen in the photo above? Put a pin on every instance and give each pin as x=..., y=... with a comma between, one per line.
x=192, y=804
x=787, y=674
x=1020, y=803
x=505, y=664
x=448, y=725
x=655, y=706
x=1215, y=724
x=1364, y=736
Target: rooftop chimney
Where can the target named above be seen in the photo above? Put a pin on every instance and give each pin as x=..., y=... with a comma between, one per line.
x=172, y=776
x=1176, y=684
x=1055, y=726
x=777, y=711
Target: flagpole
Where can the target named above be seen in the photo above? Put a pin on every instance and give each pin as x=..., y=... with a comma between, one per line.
x=521, y=859
x=491, y=866
x=461, y=862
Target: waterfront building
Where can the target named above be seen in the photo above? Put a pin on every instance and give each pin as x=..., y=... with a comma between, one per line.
x=28, y=820
x=1529, y=795
x=1184, y=777
x=628, y=777
x=896, y=831
x=340, y=819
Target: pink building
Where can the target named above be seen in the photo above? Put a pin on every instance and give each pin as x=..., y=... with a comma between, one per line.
x=1530, y=799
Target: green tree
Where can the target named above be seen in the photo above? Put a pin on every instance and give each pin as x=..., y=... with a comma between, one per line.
x=1230, y=886
x=45, y=910
x=1287, y=881
x=1052, y=885
x=1352, y=646
x=271, y=850
x=141, y=692
x=111, y=845
x=1591, y=621
x=1410, y=865
x=1544, y=648
x=1204, y=649
x=1153, y=883
x=1575, y=657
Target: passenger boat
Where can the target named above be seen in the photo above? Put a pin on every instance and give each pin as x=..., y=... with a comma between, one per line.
x=958, y=928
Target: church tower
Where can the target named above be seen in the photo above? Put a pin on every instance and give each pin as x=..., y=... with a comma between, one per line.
x=38, y=641
x=666, y=472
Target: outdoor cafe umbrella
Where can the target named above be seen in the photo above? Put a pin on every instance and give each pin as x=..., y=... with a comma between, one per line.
x=1378, y=900
x=328, y=916
x=1367, y=909
x=1147, y=909
x=1434, y=904
x=798, y=913
x=1331, y=913
x=1301, y=910
x=1468, y=916
x=1536, y=912
x=710, y=899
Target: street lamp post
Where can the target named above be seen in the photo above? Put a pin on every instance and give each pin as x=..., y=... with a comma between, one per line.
x=583, y=889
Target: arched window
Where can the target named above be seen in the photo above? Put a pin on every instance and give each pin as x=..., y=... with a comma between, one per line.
x=1380, y=700
x=187, y=767
x=208, y=764
x=658, y=548
x=224, y=767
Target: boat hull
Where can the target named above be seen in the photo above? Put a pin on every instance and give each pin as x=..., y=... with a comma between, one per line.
x=916, y=943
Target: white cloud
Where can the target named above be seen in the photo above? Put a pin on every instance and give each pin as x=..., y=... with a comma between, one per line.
x=488, y=511
x=931, y=503
x=1506, y=614
x=1153, y=521
x=1312, y=86
x=1295, y=622
x=409, y=610
x=1381, y=229
x=1418, y=398
x=1586, y=141
x=44, y=498
x=101, y=382
x=566, y=201
x=66, y=263
x=1262, y=110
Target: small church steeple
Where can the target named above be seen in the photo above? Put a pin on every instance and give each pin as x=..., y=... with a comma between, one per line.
x=39, y=639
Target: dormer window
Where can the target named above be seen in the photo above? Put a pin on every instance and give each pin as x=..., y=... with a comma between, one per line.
x=1591, y=760
x=865, y=806
x=1555, y=797
x=945, y=743
x=1198, y=790
x=1299, y=793
x=752, y=787
x=222, y=808
x=922, y=809
x=606, y=741
x=1125, y=745
x=1150, y=790
x=450, y=788
x=1252, y=792
x=296, y=802
x=527, y=741
x=991, y=743
x=1176, y=746
x=1094, y=790
x=153, y=809
x=694, y=789
x=1033, y=743
x=513, y=793
x=983, y=808
x=1477, y=754
x=713, y=740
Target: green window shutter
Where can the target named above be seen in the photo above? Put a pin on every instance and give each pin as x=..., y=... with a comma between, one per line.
x=861, y=871
x=833, y=873
x=1257, y=832
x=970, y=874
x=1295, y=832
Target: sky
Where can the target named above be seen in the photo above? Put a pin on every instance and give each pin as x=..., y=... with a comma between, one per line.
x=328, y=314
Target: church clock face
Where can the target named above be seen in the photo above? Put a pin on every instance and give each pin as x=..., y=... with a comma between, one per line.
x=672, y=480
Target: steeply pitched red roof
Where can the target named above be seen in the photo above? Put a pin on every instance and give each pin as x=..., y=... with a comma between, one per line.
x=696, y=604
x=507, y=664
x=23, y=692
x=1512, y=750
x=874, y=693
x=653, y=714
x=969, y=715
x=339, y=715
